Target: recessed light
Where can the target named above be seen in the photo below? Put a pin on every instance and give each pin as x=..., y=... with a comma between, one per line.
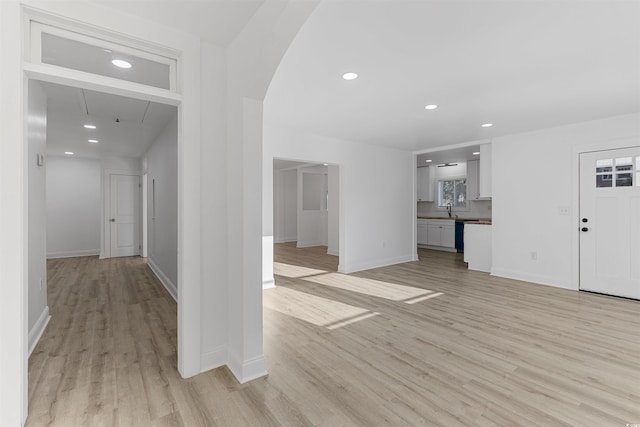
x=431, y=107
x=121, y=63
x=350, y=76
x=476, y=153
x=325, y=164
x=93, y=141
x=69, y=153
x=487, y=125
x=90, y=126
x=428, y=160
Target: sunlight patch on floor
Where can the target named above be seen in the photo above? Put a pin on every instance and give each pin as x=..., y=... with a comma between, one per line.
x=375, y=288
x=423, y=298
x=314, y=309
x=294, y=271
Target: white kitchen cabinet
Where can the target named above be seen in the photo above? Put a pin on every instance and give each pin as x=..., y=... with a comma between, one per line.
x=426, y=182
x=485, y=171
x=473, y=186
x=477, y=246
x=422, y=231
x=441, y=233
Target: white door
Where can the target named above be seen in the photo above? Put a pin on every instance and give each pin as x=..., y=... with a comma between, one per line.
x=610, y=222
x=124, y=220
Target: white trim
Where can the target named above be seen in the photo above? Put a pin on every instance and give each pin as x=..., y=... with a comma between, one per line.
x=74, y=254
x=310, y=244
x=214, y=358
x=38, y=329
x=438, y=248
x=268, y=283
x=166, y=282
x=248, y=370
x=285, y=239
x=334, y=252
x=80, y=79
x=347, y=269
x=532, y=278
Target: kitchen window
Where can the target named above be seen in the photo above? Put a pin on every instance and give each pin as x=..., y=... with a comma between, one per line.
x=452, y=192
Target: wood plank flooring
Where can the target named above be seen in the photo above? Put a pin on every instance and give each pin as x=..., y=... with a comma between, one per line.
x=422, y=343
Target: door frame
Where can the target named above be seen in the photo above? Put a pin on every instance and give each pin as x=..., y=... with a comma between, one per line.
x=17, y=70
x=105, y=213
x=610, y=144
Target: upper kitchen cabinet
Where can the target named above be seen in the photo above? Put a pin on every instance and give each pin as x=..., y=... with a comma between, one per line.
x=473, y=187
x=485, y=171
x=426, y=184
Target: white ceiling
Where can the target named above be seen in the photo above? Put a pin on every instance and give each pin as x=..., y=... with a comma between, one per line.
x=69, y=109
x=453, y=155
x=519, y=64
x=216, y=21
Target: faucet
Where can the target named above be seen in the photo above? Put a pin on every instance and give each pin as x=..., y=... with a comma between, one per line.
x=449, y=209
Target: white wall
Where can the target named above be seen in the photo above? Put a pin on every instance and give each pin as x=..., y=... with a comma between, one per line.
x=285, y=206
x=375, y=194
x=73, y=206
x=37, y=275
x=162, y=201
x=534, y=174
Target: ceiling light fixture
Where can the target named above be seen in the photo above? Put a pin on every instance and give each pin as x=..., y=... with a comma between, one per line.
x=121, y=63
x=69, y=153
x=90, y=126
x=350, y=76
x=93, y=141
x=428, y=161
x=325, y=164
x=487, y=125
x=431, y=107
x=476, y=153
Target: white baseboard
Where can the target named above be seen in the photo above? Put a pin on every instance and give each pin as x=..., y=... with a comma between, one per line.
x=268, y=283
x=214, y=358
x=168, y=284
x=247, y=370
x=332, y=251
x=310, y=244
x=346, y=269
x=38, y=329
x=438, y=248
x=540, y=280
x=73, y=254
x=284, y=239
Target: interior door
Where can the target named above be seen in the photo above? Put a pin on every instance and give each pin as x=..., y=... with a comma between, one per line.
x=610, y=222
x=125, y=215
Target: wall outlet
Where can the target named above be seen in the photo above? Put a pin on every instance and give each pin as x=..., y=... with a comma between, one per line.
x=534, y=256
x=563, y=210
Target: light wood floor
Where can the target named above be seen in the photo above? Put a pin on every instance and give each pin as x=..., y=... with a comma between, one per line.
x=423, y=343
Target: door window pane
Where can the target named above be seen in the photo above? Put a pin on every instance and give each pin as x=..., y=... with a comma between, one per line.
x=604, y=180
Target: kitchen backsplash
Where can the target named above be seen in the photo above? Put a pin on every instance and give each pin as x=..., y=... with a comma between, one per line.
x=477, y=209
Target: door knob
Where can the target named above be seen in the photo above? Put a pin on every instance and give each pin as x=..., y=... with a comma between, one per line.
x=584, y=229
x=112, y=220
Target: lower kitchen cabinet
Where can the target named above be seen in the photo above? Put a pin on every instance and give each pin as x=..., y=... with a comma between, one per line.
x=440, y=233
x=422, y=231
